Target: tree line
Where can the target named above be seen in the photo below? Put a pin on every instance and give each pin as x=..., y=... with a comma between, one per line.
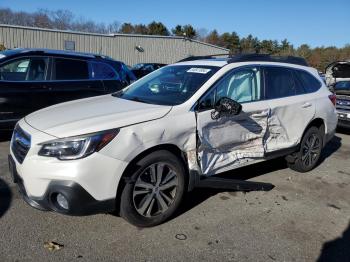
x=318, y=57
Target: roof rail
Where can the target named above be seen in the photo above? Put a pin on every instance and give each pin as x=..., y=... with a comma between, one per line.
x=193, y=58
x=252, y=57
x=268, y=58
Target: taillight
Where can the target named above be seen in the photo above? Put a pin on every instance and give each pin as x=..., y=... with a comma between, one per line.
x=333, y=99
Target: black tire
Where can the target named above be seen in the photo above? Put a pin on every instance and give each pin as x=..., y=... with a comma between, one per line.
x=301, y=163
x=129, y=197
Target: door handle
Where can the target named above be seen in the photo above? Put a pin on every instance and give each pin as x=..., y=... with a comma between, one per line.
x=306, y=105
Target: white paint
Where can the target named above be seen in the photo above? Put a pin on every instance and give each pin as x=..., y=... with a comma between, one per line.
x=224, y=144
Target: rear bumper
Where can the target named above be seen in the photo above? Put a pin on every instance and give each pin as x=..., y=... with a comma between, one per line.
x=80, y=202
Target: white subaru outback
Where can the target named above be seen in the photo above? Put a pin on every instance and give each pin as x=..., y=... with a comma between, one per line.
x=140, y=149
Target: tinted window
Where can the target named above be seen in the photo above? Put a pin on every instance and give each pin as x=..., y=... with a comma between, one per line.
x=102, y=71
x=70, y=69
x=279, y=82
x=208, y=101
x=37, y=69
x=310, y=83
x=298, y=85
x=15, y=70
x=343, y=85
x=170, y=85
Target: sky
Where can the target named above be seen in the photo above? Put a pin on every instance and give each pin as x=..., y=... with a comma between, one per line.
x=316, y=23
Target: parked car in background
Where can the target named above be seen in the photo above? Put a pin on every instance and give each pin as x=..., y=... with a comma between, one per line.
x=342, y=91
x=140, y=70
x=125, y=74
x=337, y=71
x=322, y=76
x=140, y=149
x=31, y=79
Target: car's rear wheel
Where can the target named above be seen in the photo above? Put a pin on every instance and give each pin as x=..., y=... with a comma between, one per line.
x=155, y=191
x=310, y=151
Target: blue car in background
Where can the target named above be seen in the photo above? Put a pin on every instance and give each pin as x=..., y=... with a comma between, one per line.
x=125, y=74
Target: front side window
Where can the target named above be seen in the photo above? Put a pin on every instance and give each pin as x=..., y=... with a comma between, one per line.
x=25, y=69
x=102, y=71
x=279, y=82
x=70, y=69
x=242, y=85
x=171, y=85
x=15, y=70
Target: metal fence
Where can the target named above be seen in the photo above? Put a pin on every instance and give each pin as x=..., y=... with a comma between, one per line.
x=131, y=49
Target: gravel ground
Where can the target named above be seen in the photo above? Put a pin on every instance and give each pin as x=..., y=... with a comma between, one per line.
x=304, y=218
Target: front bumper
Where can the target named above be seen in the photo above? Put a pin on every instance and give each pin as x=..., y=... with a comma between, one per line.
x=89, y=184
x=80, y=202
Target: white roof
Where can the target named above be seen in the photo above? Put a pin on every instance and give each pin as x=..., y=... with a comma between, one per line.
x=205, y=62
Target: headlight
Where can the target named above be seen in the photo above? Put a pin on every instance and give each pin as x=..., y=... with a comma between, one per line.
x=77, y=147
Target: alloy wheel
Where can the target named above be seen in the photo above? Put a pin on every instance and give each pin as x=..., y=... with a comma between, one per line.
x=155, y=189
x=311, y=150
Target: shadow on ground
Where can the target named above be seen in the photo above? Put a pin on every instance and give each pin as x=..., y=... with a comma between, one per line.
x=342, y=130
x=199, y=195
x=5, y=197
x=337, y=250
x=331, y=147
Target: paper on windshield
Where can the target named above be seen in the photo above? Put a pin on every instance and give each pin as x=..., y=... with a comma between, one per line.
x=198, y=70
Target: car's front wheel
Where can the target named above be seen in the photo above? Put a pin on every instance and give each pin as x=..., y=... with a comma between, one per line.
x=155, y=191
x=310, y=151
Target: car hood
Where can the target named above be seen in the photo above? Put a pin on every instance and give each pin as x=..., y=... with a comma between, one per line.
x=92, y=115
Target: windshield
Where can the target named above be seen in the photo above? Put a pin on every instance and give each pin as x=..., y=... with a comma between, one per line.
x=171, y=85
x=343, y=85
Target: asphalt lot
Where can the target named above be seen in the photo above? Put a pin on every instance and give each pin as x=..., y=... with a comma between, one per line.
x=306, y=217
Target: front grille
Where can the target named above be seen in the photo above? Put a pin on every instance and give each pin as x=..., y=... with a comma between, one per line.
x=343, y=103
x=20, y=144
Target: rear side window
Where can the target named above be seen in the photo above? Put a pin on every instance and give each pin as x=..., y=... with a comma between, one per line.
x=102, y=71
x=279, y=82
x=70, y=69
x=309, y=82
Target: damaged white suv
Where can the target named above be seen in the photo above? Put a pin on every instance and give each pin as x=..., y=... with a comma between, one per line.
x=139, y=150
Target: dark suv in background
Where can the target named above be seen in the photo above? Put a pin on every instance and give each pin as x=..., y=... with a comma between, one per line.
x=31, y=79
x=140, y=70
